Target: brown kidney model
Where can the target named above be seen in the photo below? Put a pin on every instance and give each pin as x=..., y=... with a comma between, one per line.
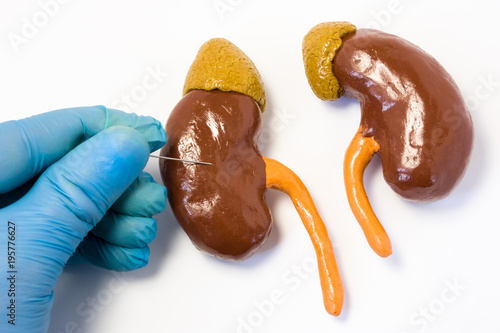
x=412, y=114
x=222, y=207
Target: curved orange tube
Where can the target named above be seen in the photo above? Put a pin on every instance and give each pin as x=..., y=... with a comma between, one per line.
x=358, y=155
x=281, y=178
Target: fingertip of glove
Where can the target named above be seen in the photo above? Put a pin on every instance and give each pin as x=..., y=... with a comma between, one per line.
x=159, y=204
x=156, y=202
x=153, y=131
x=151, y=128
x=132, y=259
x=144, y=197
x=158, y=137
x=139, y=259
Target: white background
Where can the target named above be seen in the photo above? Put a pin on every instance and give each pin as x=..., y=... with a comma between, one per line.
x=444, y=274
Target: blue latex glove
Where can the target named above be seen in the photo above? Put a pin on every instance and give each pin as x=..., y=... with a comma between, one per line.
x=61, y=173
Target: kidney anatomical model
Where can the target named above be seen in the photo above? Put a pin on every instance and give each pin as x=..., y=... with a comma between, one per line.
x=412, y=115
x=222, y=206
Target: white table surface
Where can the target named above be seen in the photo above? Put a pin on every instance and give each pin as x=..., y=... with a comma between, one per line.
x=444, y=274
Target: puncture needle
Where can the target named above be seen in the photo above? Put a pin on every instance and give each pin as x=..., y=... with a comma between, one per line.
x=178, y=159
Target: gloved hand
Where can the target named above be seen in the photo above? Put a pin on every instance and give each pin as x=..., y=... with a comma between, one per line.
x=89, y=164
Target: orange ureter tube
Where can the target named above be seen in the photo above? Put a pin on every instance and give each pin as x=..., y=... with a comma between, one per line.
x=281, y=178
x=358, y=155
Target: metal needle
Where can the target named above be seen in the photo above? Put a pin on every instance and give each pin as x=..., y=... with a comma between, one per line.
x=178, y=159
